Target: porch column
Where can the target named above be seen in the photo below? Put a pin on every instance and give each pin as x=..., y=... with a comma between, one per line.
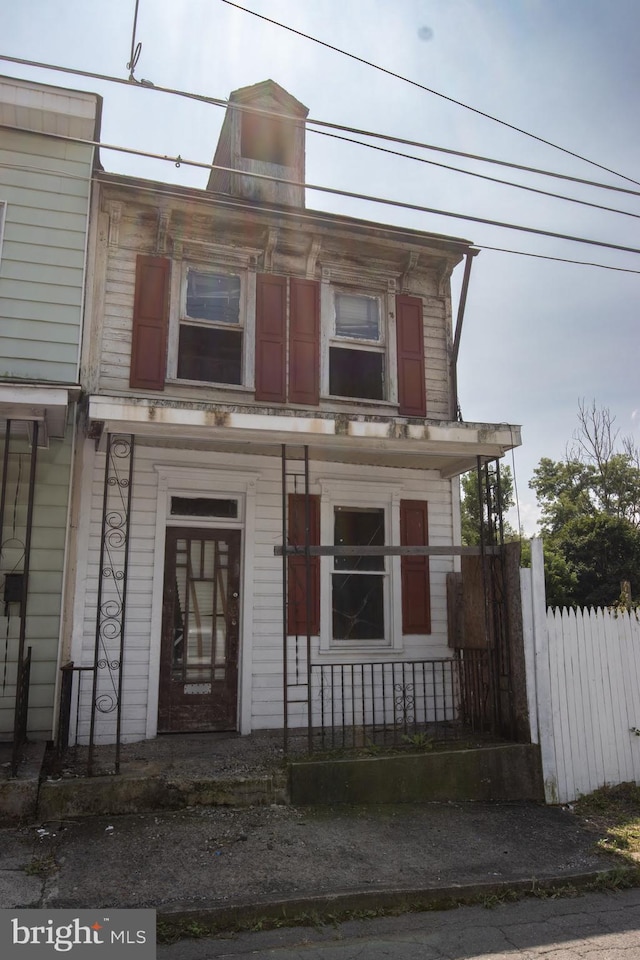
x=111, y=606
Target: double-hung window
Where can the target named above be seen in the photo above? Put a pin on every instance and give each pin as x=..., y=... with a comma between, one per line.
x=358, y=587
x=357, y=361
x=211, y=334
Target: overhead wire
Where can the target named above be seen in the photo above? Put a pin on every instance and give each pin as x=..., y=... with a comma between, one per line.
x=136, y=49
x=436, y=93
x=481, y=176
x=318, y=216
x=311, y=122
x=305, y=214
x=334, y=191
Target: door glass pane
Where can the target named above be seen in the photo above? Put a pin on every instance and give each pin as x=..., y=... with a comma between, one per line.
x=200, y=631
x=200, y=644
x=179, y=610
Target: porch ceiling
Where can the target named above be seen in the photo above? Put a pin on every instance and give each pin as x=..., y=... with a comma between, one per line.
x=450, y=448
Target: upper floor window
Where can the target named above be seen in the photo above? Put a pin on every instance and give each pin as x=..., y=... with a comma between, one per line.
x=211, y=335
x=357, y=362
x=288, y=339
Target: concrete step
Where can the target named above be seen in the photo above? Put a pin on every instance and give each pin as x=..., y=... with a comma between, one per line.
x=125, y=793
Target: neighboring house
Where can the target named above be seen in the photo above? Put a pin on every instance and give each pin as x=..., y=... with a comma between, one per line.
x=45, y=181
x=255, y=369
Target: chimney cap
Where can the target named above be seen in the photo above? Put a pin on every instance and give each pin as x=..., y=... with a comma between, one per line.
x=269, y=90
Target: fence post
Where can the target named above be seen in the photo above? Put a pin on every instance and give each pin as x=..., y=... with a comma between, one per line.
x=542, y=675
x=528, y=640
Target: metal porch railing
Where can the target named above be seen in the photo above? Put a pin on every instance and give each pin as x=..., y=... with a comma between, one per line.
x=389, y=703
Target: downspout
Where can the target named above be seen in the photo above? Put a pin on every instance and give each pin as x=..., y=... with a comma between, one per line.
x=453, y=379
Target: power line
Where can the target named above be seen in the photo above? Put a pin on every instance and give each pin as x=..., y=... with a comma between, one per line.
x=471, y=156
x=481, y=176
x=313, y=216
x=436, y=93
x=334, y=191
x=136, y=49
x=310, y=122
x=544, y=256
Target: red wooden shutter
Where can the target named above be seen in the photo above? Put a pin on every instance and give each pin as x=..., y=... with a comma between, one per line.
x=271, y=312
x=297, y=572
x=411, y=375
x=150, y=323
x=416, y=598
x=304, y=342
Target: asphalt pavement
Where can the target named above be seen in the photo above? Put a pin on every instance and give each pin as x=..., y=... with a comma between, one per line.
x=598, y=926
x=246, y=866
x=218, y=860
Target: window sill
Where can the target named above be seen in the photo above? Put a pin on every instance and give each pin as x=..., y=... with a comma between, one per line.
x=210, y=384
x=350, y=402
x=366, y=648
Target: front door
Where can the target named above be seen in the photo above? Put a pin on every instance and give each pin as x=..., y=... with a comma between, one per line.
x=199, y=651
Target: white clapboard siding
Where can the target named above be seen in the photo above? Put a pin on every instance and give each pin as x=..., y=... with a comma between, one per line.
x=265, y=569
x=114, y=356
x=594, y=674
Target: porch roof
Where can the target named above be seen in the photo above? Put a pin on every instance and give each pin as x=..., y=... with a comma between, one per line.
x=449, y=447
x=45, y=403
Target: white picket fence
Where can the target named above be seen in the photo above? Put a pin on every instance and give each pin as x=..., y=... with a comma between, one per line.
x=583, y=680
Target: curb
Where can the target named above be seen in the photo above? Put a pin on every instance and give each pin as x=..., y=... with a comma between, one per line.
x=334, y=907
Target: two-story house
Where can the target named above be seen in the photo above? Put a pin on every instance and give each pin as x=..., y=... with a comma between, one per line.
x=260, y=374
x=45, y=179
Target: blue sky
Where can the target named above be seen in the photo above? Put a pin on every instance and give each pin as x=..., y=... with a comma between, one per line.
x=538, y=335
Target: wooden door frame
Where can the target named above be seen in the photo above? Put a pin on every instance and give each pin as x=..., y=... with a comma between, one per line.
x=235, y=475
x=229, y=687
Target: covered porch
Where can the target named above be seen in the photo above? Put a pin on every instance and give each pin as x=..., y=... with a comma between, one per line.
x=262, y=651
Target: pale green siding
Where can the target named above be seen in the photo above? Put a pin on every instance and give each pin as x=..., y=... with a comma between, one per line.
x=45, y=185
x=45, y=580
x=44, y=190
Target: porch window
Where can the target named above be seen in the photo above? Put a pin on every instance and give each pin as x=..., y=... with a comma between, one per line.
x=210, y=343
x=204, y=507
x=358, y=582
x=357, y=348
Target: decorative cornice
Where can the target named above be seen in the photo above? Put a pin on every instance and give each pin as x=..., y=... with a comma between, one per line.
x=114, y=212
x=269, y=249
x=162, y=233
x=312, y=258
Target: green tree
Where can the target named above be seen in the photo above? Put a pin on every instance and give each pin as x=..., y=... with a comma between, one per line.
x=590, y=504
x=470, y=502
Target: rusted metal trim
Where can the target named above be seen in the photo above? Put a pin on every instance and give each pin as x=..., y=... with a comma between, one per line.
x=351, y=550
x=455, y=413
x=308, y=598
x=5, y=474
x=27, y=541
x=285, y=635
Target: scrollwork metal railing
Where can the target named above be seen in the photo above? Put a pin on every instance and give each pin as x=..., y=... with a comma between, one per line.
x=106, y=694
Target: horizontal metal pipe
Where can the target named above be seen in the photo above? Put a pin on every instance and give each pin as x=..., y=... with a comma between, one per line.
x=353, y=550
